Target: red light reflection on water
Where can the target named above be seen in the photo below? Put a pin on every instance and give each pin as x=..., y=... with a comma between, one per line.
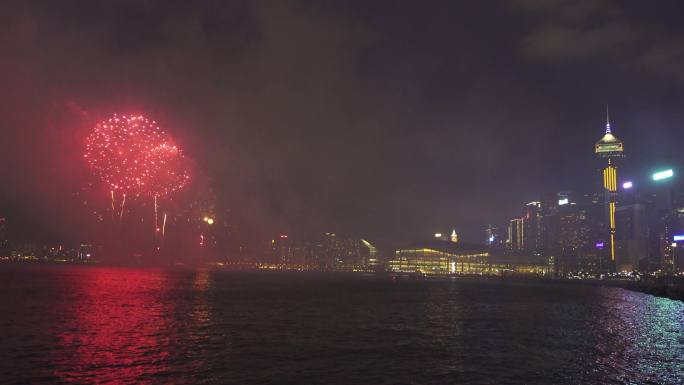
x=116, y=329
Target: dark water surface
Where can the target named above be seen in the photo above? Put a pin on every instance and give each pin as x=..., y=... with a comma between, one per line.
x=75, y=324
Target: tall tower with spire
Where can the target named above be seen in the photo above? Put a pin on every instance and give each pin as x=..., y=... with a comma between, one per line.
x=454, y=236
x=609, y=149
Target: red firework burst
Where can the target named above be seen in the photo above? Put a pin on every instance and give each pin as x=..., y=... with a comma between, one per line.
x=132, y=155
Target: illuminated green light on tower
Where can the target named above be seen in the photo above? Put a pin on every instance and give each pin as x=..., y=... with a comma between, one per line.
x=660, y=175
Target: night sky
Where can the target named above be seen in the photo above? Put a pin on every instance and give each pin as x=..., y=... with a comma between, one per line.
x=384, y=119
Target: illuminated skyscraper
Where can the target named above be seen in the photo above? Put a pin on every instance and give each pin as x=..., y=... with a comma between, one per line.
x=632, y=235
x=524, y=233
x=610, y=149
x=516, y=235
x=532, y=232
x=578, y=251
x=491, y=235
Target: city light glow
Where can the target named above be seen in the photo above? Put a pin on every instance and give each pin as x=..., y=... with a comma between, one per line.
x=563, y=201
x=678, y=238
x=627, y=185
x=663, y=174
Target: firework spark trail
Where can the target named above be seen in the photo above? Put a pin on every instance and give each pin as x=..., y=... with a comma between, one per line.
x=113, y=209
x=123, y=202
x=164, y=226
x=156, y=222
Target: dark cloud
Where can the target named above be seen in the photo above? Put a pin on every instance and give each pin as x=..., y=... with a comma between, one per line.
x=610, y=30
x=665, y=57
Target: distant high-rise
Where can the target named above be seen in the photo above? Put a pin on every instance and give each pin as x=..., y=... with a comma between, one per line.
x=86, y=252
x=516, y=235
x=371, y=259
x=632, y=235
x=524, y=233
x=609, y=148
x=454, y=237
x=282, y=250
x=491, y=235
x=550, y=205
x=532, y=218
x=582, y=242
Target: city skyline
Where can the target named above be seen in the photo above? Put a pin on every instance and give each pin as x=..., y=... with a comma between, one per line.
x=482, y=239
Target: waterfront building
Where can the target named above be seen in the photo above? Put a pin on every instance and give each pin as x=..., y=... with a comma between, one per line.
x=447, y=258
x=441, y=258
x=520, y=264
x=370, y=257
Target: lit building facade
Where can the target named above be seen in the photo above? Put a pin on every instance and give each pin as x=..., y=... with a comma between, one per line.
x=492, y=236
x=447, y=258
x=532, y=231
x=440, y=258
x=632, y=236
x=581, y=236
x=516, y=235
x=525, y=233
x=370, y=255
x=609, y=149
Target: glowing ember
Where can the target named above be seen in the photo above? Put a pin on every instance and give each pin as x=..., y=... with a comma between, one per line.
x=133, y=156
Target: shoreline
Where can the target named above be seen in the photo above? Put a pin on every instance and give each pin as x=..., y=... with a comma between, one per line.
x=665, y=287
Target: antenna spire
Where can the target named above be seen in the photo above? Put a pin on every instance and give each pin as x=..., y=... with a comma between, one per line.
x=607, y=121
